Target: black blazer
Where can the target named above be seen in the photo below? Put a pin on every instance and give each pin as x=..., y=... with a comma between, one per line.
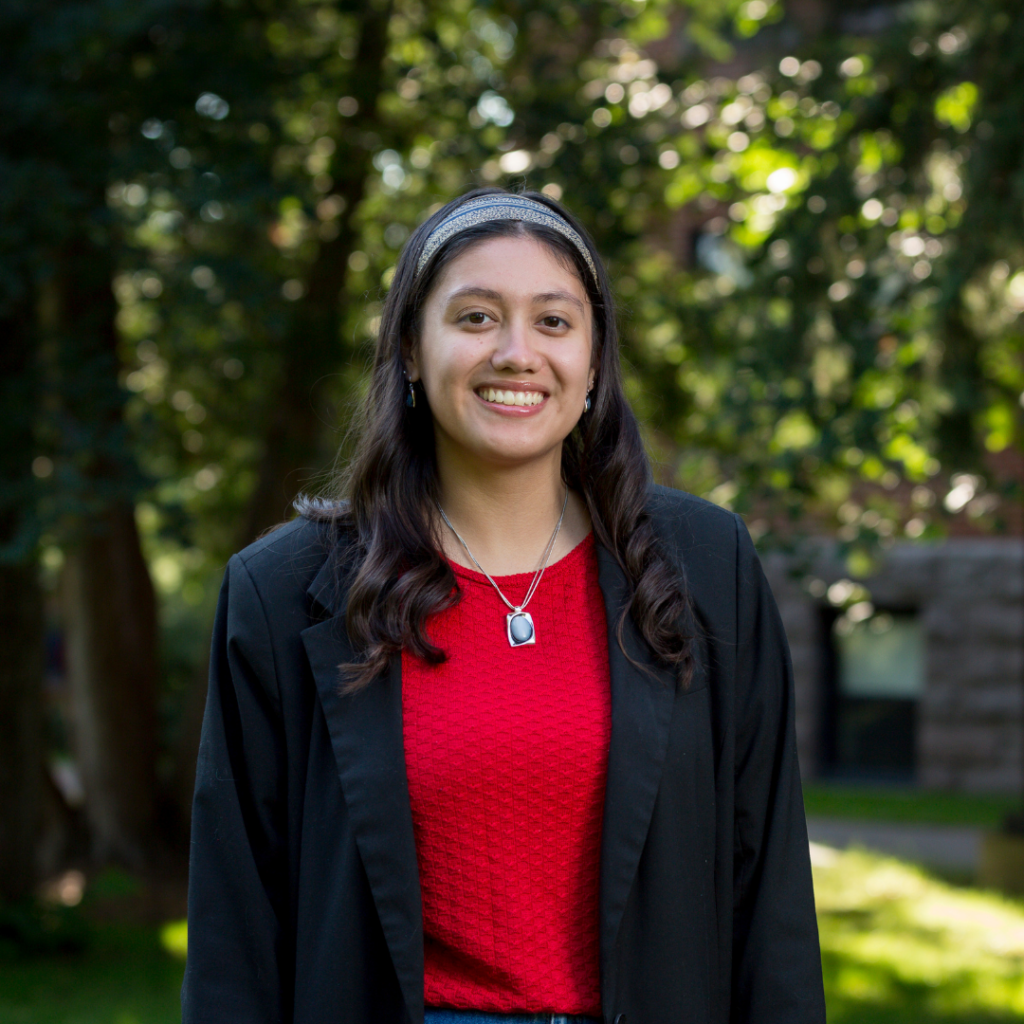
x=304, y=901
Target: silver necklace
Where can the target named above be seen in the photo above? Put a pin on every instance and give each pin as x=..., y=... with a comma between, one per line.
x=519, y=626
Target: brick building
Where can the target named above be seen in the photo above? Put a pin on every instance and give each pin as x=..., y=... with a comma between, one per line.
x=920, y=679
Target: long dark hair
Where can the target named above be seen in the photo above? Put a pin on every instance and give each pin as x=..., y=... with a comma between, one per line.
x=397, y=575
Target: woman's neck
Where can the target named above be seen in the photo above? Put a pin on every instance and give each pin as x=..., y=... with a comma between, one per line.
x=507, y=515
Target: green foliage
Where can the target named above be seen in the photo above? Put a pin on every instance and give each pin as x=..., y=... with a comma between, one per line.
x=816, y=247
x=845, y=199
x=898, y=945
x=843, y=203
x=848, y=314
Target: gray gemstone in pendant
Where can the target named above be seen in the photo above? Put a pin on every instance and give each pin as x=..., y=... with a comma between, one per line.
x=521, y=629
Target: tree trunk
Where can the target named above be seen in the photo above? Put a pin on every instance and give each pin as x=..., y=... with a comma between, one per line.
x=110, y=621
x=313, y=350
x=313, y=343
x=107, y=599
x=22, y=759
x=22, y=754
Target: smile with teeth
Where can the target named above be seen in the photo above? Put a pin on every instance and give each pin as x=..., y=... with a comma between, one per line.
x=500, y=397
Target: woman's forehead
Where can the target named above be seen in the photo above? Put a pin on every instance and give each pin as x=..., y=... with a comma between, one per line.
x=511, y=265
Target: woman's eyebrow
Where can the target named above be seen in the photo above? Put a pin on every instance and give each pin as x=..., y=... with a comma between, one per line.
x=473, y=290
x=489, y=293
x=558, y=297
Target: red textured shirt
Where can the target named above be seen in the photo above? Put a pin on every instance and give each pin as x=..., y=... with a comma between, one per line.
x=506, y=752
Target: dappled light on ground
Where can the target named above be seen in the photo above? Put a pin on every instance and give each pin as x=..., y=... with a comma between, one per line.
x=174, y=938
x=901, y=945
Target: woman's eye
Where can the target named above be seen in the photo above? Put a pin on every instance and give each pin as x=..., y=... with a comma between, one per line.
x=554, y=322
x=476, y=318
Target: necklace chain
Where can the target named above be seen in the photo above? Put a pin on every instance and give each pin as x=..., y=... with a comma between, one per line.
x=535, y=582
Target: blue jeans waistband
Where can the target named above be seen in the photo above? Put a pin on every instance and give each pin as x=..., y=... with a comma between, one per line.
x=478, y=1017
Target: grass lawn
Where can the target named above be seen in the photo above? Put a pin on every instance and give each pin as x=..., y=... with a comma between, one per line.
x=907, y=806
x=125, y=976
x=902, y=947
x=899, y=946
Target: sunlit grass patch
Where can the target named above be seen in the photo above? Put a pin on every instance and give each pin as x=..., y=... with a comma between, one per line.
x=174, y=938
x=900, y=945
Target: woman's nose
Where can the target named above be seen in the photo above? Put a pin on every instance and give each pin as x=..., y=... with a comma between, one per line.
x=515, y=350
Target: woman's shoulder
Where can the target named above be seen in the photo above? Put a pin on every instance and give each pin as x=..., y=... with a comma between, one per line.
x=287, y=561
x=299, y=539
x=689, y=521
x=711, y=544
x=714, y=548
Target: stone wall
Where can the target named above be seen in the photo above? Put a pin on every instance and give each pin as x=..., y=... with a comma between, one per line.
x=969, y=593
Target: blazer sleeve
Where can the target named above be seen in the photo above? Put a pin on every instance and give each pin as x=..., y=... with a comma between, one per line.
x=776, y=956
x=237, y=868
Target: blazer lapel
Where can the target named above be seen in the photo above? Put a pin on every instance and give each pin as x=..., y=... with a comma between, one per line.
x=366, y=735
x=641, y=713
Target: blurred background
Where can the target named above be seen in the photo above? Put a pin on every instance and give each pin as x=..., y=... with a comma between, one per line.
x=813, y=213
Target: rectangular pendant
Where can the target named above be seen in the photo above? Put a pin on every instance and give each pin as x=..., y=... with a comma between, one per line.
x=519, y=628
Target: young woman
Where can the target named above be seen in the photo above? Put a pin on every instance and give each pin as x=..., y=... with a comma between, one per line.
x=503, y=732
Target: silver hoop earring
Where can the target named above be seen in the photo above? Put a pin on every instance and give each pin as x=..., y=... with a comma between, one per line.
x=410, y=399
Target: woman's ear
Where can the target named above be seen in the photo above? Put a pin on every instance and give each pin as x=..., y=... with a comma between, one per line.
x=412, y=370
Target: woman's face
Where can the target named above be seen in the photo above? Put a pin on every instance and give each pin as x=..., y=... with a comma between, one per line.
x=505, y=353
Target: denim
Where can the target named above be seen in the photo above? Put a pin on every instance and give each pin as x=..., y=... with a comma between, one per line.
x=477, y=1017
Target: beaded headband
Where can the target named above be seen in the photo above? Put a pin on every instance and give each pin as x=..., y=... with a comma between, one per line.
x=500, y=207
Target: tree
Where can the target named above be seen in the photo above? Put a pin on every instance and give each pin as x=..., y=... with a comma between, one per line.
x=847, y=337
x=768, y=376
x=269, y=210
x=804, y=218
x=63, y=74
x=21, y=615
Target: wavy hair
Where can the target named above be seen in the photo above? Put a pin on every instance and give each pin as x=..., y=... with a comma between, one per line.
x=384, y=500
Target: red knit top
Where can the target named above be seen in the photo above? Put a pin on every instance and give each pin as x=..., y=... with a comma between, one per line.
x=506, y=752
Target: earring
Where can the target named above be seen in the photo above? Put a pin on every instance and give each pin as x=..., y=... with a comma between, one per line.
x=410, y=399
x=587, y=403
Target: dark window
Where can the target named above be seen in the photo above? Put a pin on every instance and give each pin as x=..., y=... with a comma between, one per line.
x=873, y=681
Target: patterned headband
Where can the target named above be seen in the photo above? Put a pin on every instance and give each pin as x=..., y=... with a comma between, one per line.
x=500, y=207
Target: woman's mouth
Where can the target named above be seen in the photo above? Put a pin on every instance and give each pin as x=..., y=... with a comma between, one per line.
x=499, y=396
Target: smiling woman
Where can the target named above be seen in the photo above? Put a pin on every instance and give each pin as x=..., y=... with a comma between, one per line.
x=497, y=292
x=499, y=730
x=505, y=354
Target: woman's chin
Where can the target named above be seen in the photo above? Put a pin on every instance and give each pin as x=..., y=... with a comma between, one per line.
x=500, y=453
